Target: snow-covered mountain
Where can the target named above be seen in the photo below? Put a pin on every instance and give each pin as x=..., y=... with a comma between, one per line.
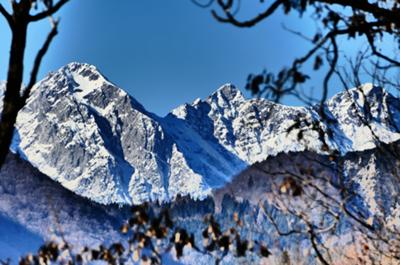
x=84, y=132
x=257, y=128
x=96, y=140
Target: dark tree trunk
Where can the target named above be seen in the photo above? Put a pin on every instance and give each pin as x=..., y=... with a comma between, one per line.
x=14, y=97
x=12, y=100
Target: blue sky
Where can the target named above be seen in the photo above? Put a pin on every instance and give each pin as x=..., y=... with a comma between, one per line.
x=163, y=52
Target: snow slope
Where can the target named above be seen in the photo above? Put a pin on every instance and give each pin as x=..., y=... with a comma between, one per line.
x=34, y=208
x=16, y=240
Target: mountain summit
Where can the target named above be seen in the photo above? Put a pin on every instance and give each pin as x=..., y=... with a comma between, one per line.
x=96, y=140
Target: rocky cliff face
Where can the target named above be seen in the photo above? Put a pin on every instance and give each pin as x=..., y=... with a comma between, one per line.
x=96, y=140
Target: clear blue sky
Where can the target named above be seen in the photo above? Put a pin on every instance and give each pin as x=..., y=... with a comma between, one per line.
x=163, y=52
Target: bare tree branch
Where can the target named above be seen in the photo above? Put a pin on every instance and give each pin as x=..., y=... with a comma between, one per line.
x=39, y=56
x=378, y=12
x=330, y=72
x=203, y=5
x=6, y=15
x=373, y=8
x=50, y=11
x=379, y=54
x=313, y=239
x=249, y=23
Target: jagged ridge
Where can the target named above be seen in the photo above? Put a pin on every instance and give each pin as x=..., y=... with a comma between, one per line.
x=96, y=140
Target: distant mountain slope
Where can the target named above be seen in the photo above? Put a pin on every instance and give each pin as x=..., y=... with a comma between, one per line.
x=370, y=176
x=34, y=208
x=96, y=140
x=352, y=203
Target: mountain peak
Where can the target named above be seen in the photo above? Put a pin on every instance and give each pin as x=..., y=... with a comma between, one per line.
x=367, y=88
x=368, y=91
x=226, y=95
x=79, y=80
x=228, y=91
x=83, y=70
x=228, y=88
x=75, y=66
